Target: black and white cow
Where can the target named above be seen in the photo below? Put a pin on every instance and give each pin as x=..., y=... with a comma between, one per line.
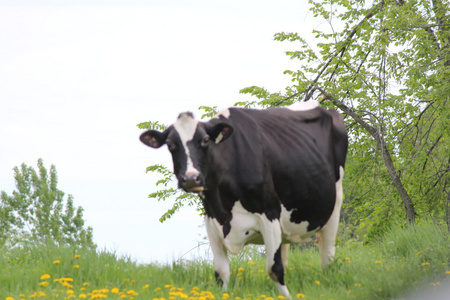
x=269, y=177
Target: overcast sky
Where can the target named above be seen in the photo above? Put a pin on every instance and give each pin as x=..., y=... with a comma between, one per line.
x=77, y=76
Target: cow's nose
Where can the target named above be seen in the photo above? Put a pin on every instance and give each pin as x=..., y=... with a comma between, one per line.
x=190, y=181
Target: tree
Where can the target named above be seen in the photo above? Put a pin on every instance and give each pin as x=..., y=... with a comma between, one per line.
x=37, y=211
x=388, y=72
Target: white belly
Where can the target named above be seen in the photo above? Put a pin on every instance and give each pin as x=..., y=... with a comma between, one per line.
x=246, y=228
x=293, y=232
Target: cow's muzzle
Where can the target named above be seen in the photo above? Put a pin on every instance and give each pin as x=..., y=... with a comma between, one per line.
x=191, y=183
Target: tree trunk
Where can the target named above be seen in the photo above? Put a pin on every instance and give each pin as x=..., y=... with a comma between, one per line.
x=387, y=159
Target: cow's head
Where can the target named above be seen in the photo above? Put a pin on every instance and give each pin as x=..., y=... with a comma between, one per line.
x=188, y=141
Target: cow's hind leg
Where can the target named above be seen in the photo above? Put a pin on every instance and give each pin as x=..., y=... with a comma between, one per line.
x=271, y=232
x=284, y=255
x=327, y=235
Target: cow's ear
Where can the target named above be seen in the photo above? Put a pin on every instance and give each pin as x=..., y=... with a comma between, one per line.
x=219, y=132
x=153, y=138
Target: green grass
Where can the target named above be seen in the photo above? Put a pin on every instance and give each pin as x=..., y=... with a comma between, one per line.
x=404, y=260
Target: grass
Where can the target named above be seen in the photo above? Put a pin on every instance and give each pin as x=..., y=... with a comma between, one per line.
x=404, y=260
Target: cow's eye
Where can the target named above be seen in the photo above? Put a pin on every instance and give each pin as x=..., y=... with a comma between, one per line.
x=171, y=145
x=205, y=141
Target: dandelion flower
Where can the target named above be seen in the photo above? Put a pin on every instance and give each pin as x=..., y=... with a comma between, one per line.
x=225, y=296
x=280, y=297
x=317, y=282
x=425, y=264
x=43, y=283
x=418, y=253
x=45, y=277
x=241, y=269
x=9, y=298
x=378, y=262
x=56, y=262
x=76, y=266
x=300, y=295
x=447, y=272
x=115, y=290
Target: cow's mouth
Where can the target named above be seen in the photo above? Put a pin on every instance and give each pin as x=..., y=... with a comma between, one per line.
x=194, y=189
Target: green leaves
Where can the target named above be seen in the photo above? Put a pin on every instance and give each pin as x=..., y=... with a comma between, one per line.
x=37, y=211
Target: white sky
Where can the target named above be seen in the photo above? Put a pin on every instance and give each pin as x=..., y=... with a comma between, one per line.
x=77, y=76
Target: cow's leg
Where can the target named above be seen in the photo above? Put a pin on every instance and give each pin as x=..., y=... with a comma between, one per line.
x=327, y=236
x=271, y=232
x=284, y=255
x=221, y=264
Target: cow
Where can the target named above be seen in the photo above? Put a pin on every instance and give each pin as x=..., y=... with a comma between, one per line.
x=271, y=176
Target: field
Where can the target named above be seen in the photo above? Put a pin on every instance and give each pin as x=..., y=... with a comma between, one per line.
x=405, y=261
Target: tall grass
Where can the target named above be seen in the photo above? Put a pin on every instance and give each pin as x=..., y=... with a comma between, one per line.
x=404, y=260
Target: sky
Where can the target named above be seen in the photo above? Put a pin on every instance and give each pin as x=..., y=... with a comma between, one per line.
x=76, y=77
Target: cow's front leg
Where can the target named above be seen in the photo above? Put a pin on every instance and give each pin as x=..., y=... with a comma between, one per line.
x=221, y=264
x=271, y=232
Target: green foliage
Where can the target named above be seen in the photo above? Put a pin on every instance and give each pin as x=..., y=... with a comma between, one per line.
x=386, y=66
x=404, y=260
x=168, y=192
x=37, y=212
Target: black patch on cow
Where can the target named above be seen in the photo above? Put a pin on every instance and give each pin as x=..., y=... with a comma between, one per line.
x=226, y=229
x=277, y=268
x=218, y=279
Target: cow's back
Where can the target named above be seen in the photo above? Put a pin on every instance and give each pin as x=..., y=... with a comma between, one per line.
x=291, y=155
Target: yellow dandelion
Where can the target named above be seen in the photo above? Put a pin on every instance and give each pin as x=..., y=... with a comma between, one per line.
x=225, y=296
x=168, y=286
x=146, y=286
x=418, y=253
x=317, y=282
x=56, y=262
x=447, y=272
x=82, y=296
x=357, y=284
x=70, y=292
x=280, y=297
x=425, y=264
x=300, y=295
x=76, y=266
x=45, y=277
x=9, y=298
x=251, y=263
x=310, y=264
x=115, y=290
x=241, y=269
x=378, y=262
x=43, y=283
x=347, y=259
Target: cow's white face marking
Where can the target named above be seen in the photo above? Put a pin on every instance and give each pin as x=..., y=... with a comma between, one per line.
x=186, y=127
x=301, y=106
